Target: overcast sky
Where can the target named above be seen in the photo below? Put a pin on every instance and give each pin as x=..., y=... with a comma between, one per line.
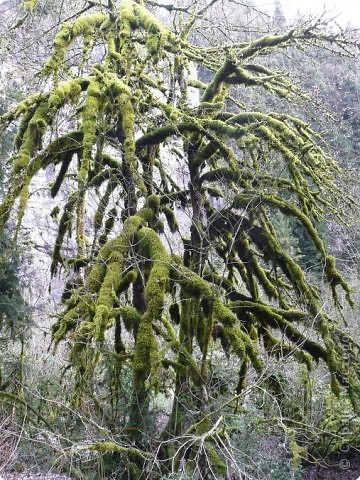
x=347, y=11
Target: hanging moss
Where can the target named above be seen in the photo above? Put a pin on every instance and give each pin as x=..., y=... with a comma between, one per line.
x=60, y=178
x=89, y=126
x=147, y=214
x=157, y=34
x=67, y=323
x=28, y=105
x=31, y=140
x=83, y=26
x=240, y=342
x=133, y=114
x=64, y=225
x=281, y=349
x=104, y=201
x=335, y=278
x=170, y=218
x=146, y=347
x=109, y=224
x=28, y=115
x=130, y=316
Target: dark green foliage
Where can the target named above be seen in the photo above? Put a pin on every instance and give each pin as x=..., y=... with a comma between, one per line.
x=15, y=323
x=262, y=449
x=14, y=320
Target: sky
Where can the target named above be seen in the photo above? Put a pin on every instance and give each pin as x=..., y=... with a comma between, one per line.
x=346, y=11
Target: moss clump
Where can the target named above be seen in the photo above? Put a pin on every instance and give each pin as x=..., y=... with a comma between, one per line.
x=131, y=318
x=21, y=161
x=170, y=218
x=96, y=276
x=67, y=91
x=153, y=202
x=147, y=214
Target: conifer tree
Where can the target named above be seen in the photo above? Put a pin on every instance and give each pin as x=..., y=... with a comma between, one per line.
x=180, y=254
x=14, y=313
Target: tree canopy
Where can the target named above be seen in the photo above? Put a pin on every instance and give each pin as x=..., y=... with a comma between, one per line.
x=168, y=185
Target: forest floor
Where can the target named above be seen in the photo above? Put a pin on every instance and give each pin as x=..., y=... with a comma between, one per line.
x=32, y=476
x=340, y=467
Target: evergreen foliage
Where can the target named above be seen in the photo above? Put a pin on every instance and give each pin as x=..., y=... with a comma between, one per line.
x=14, y=312
x=181, y=249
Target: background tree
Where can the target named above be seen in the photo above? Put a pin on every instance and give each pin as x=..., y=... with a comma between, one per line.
x=14, y=314
x=174, y=184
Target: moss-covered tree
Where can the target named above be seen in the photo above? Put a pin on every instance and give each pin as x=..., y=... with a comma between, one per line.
x=180, y=253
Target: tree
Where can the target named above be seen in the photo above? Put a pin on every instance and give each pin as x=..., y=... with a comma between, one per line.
x=14, y=312
x=168, y=187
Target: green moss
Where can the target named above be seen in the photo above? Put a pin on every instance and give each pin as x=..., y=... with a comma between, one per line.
x=241, y=342
x=153, y=202
x=207, y=306
x=109, y=224
x=125, y=98
x=299, y=453
x=146, y=347
x=25, y=106
x=21, y=162
x=335, y=278
x=126, y=280
x=104, y=201
x=30, y=4
x=66, y=323
x=127, y=19
x=89, y=113
x=153, y=44
x=335, y=386
x=170, y=218
x=96, y=276
x=216, y=463
x=60, y=149
x=113, y=447
x=281, y=349
x=214, y=91
x=100, y=322
x=30, y=136
x=77, y=262
x=106, y=277
x=66, y=91
x=55, y=187
x=131, y=318
x=83, y=26
x=28, y=115
x=147, y=214
x=64, y=227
